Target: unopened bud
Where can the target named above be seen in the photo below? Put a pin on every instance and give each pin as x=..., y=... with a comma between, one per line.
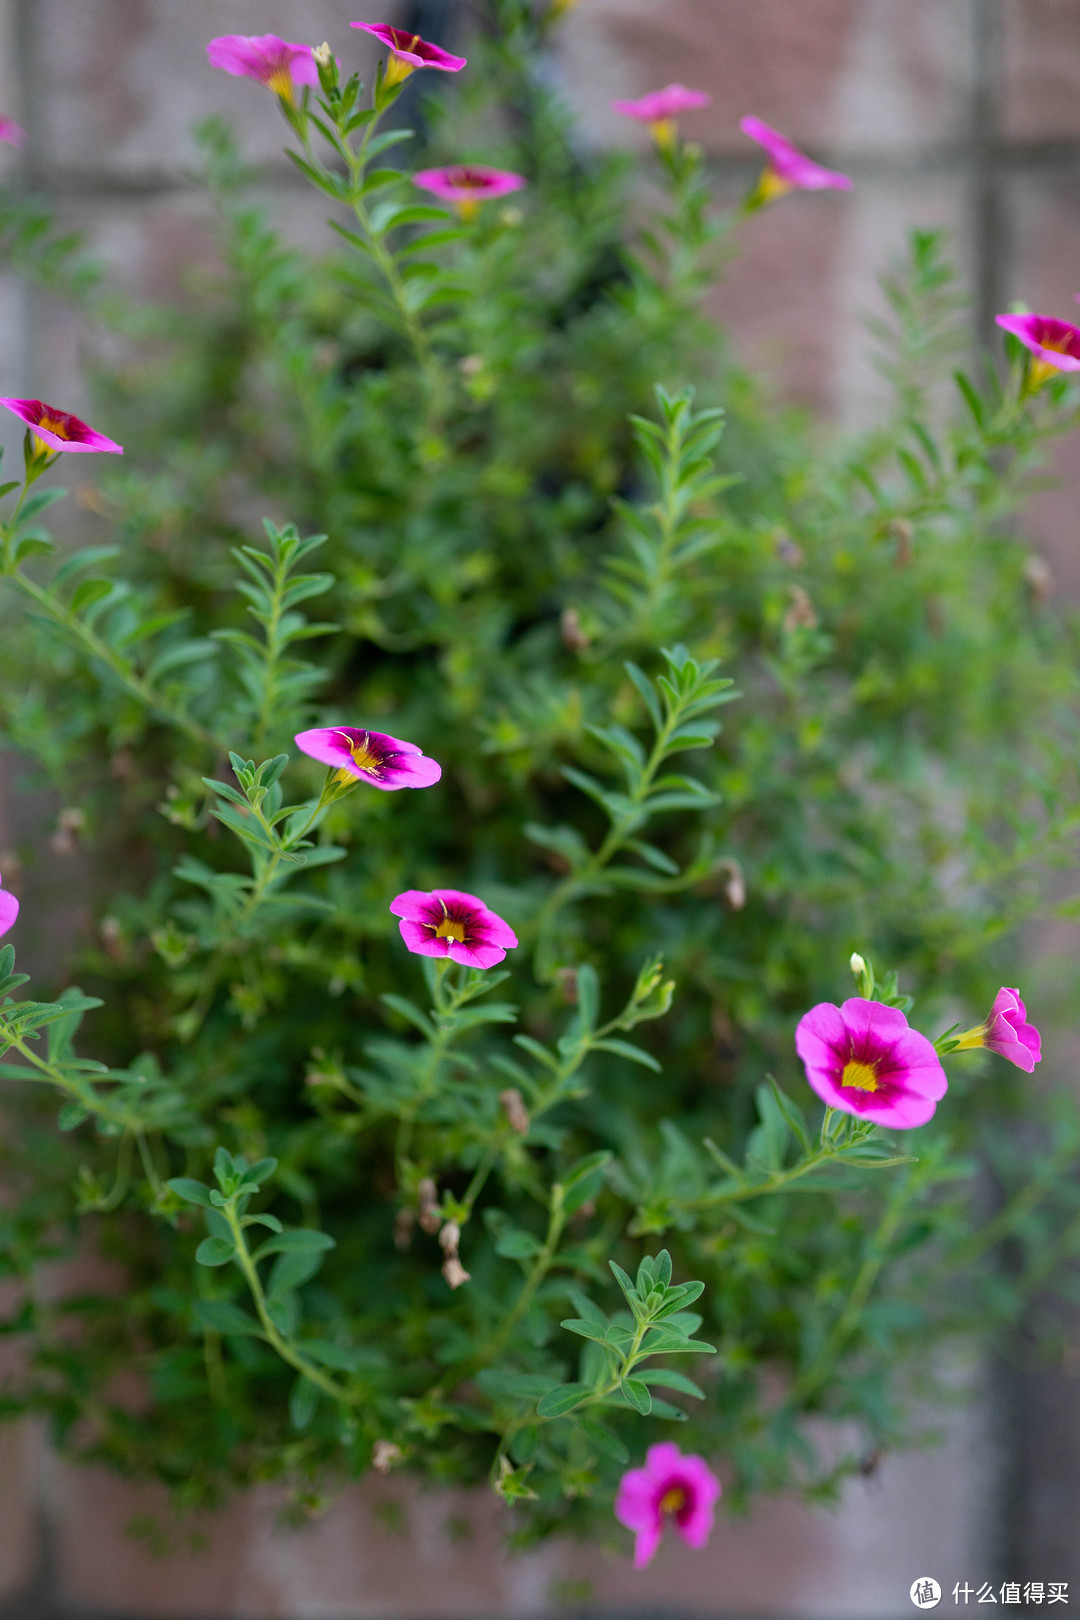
x=800, y=615
x=384, y=1454
x=903, y=532
x=575, y=639
x=787, y=550
x=323, y=54
x=450, y=1237
x=858, y=965
x=404, y=1221
x=428, y=1199
x=69, y=824
x=1038, y=577
x=514, y=1108
x=566, y=979
x=734, y=884
x=454, y=1271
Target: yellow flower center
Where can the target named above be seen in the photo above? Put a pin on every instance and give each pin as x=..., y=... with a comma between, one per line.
x=663, y=132
x=398, y=68
x=52, y=424
x=280, y=82
x=449, y=929
x=861, y=1076
x=674, y=1500
x=772, y=185
x=364, y=756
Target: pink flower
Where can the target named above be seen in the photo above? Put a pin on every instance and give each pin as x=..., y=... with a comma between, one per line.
x=409, y=51
x=1055, y=344
x=11, y=132
x=449, y=923
x=9, y=910
x=370, y=756
x=788, y=169
x=864, y=1059
x=1007, y=1032
x=660, y=108
x=468, y=182
x=278, y=63
x=684, y=1487
x=59, y=429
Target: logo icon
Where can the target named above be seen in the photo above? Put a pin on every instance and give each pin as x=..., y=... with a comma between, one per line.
x=925, y=1592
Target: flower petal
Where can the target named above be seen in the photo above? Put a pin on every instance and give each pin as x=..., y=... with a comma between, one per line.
x=9, y=910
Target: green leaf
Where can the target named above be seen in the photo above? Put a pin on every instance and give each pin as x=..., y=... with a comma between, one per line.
x=296, y=1240
x=604, y=1439
x=515, y=1244
x=668, y=1378
x=221, y=1317
x=303, y=1400
x=215, y=1251
x=627, y=1050
x=638, y=1395
x=559, y=1401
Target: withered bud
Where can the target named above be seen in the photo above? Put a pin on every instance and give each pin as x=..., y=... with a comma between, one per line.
x=733, y=886
x=404, y=1221
x=454, y=1271
x=574, y=637
x=903, y=532
x=112, y=937
x=384, y=1454
x=450, y=1237
x=428, y=1198
x=800, y=615
x=69, y=824
x=787, y=550
x=1039, y=578
x=514, y=1109
x=566, y=979
x=470, y=364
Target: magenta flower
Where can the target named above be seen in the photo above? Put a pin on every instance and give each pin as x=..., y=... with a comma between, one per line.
x=1007, y=1032
x=788, y=169
x=467, y=185
x=864, y=1059
x=59, y=429
x=1055, y=344
x=278, y=63
x=684, y=1487
x=449, y=923
x=409, y=51
x=9, y=910
x=11, y=132
x=660, y=109
x=370, y=756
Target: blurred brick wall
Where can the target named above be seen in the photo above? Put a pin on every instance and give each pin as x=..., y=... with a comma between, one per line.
x=962, y=113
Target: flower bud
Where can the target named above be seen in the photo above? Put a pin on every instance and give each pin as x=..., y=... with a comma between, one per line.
x=384, y=1454
x=454, y=1272
x=514, y=1108
x=427, y=1195
x=858, y=965
x=450, y=1237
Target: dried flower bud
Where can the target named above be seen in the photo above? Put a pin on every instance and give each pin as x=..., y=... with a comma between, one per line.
x=514, y=1108
x=450, y=1237
x=800, y=615
x=1039, y=578
x=574, y=637
x=733, y=887
x=903, y=532
x=454, y=1271
x=69, y=824
x=428, y=1198
x=384, y=1454
x=112, y=937
x=470, y=364
x=566, y=979
x=404, y=1221
x=787, y=550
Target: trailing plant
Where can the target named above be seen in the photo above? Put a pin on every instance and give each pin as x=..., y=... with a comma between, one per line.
x=700, y=700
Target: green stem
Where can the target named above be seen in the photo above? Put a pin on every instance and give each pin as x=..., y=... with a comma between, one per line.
x=285, y=1350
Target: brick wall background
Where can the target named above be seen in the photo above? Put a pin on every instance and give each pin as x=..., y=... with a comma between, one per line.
x=964, y=113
